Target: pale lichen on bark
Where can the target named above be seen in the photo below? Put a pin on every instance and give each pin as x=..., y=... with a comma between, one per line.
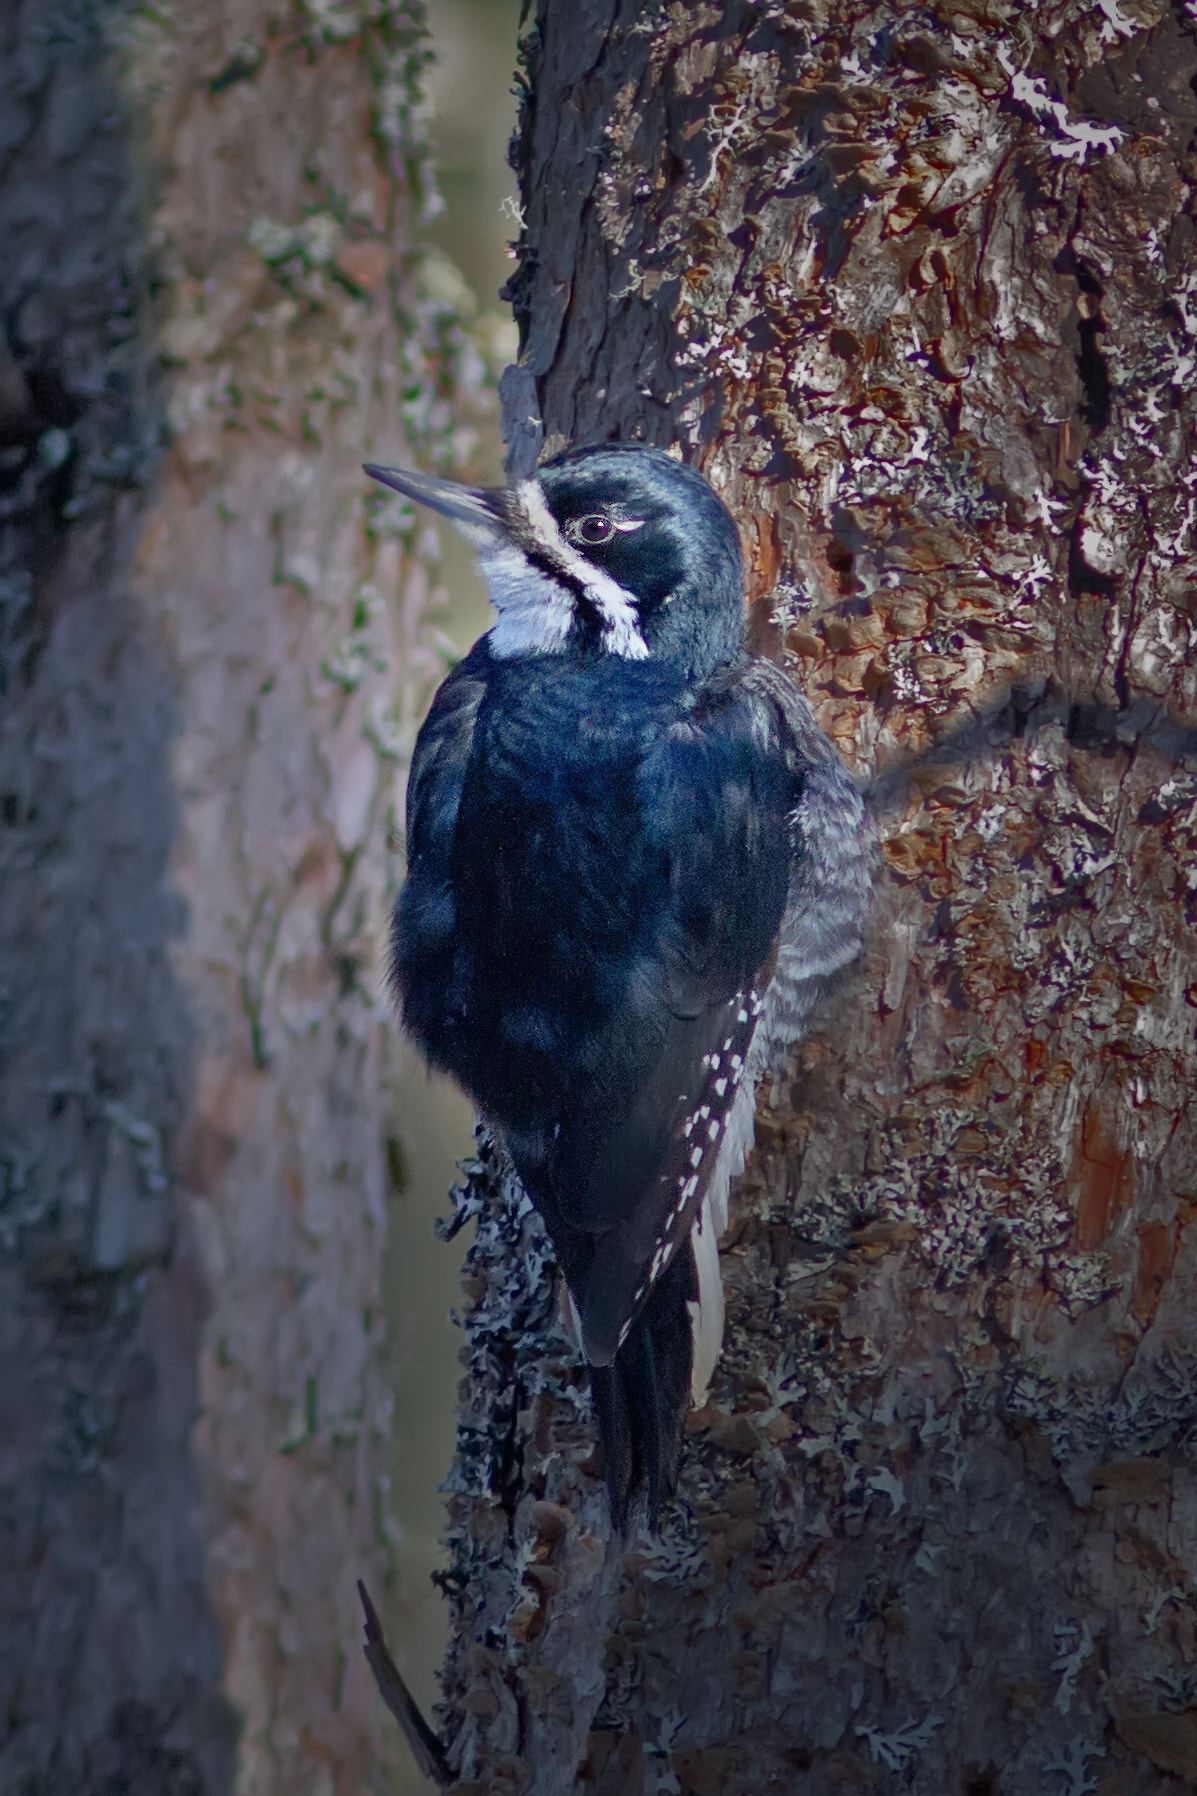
x=915, y=288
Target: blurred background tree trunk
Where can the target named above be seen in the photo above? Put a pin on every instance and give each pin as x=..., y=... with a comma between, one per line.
x=918, y=290
x=216, y=648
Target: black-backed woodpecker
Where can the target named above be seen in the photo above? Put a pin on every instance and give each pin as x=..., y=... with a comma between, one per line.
x=634, y=860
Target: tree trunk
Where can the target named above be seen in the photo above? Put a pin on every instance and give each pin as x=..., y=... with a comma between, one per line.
x=918, y=290
x=213, y=316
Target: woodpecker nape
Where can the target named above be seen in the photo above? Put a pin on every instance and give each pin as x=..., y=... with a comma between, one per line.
x=634, y=861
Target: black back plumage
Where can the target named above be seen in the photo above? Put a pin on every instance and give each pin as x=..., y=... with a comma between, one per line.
x=614, y=878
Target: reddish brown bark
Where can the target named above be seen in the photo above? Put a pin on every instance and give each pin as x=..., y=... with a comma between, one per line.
x=914, y=288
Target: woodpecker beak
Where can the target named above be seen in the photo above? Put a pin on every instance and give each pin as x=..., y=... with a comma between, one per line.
x=466, y=507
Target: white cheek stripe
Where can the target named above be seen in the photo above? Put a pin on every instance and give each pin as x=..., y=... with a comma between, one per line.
x=616, y=607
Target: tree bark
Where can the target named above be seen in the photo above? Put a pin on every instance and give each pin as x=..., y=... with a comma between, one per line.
x=918, y=290
x=213, y=316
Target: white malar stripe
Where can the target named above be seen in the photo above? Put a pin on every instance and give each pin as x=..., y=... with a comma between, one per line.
x=535, y=614
x=616, y=607
x=706, y=1316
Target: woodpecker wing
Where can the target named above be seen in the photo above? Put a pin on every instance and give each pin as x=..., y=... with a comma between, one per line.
x=630, y=1169
x=699, y=1129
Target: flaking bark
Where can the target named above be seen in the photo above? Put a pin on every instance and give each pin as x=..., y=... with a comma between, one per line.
x=917, y=288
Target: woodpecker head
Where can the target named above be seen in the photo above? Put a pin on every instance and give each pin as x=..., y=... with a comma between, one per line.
x=617, y=549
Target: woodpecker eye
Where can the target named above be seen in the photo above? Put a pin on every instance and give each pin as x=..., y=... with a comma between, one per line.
x=596, y=529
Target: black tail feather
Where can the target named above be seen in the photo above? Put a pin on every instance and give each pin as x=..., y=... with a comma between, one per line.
x=640, y=1399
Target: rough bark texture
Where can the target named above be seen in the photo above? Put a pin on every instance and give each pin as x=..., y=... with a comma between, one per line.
x=212, y=316
x=917, y=286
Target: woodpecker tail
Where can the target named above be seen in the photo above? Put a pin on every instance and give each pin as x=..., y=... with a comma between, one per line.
x=641, y=1398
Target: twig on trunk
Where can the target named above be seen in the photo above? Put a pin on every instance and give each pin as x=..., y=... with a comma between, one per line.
x=426, y=1748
